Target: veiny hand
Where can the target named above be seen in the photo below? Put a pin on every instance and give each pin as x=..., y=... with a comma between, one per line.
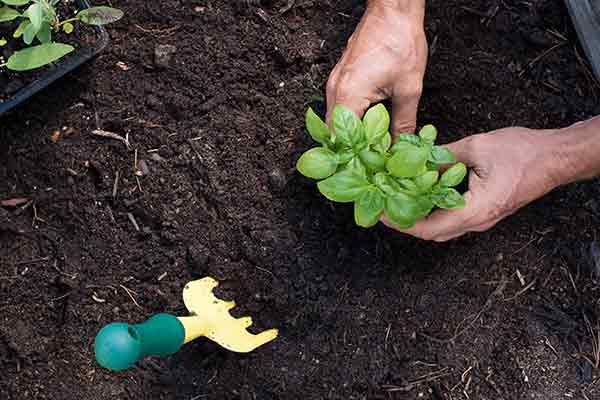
x=385, y=58
x=510, y=168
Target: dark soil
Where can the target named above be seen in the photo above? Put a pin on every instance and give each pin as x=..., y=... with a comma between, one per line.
x=84, y=38
x=363, y=314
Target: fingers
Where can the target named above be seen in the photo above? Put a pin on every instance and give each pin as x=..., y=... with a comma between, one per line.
x=343, y=91
x=404, y=114
x=464, y=150
x=442, y=224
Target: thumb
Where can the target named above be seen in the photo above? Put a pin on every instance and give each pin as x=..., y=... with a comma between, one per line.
x=463, y=150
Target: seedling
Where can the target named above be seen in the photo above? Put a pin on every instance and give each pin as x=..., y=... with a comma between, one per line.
x=357, y=163
x=39, y=21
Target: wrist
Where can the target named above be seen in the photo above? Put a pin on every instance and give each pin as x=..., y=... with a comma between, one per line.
x=411, y=7
x=573, y=152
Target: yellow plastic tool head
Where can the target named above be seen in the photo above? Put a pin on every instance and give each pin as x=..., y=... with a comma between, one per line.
x=210, y=317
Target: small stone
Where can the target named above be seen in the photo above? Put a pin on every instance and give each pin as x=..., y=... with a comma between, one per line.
x=277, y=179
x=163, y=54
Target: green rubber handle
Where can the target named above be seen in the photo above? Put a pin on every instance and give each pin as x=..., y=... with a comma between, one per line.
x=119, y=346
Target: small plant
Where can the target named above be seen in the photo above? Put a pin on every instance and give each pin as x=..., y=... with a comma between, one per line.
x=38, y=22
x=357, y=162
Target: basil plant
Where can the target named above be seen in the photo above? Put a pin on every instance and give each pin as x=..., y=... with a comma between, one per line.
x=356, y=162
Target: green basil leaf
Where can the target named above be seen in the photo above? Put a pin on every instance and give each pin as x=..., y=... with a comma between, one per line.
x=368, y=207
x=344, y=187
x=344, y=156
x=407, y=161
x=408, y=185
x=357, y=165
x=377, y=123
x=386, y=183
x=425, y=206
x=317, y=129
x=384, y=144
x=408, y=138
x=15, y=2
x=346, y=126
x=454, y=175
x=35, y=13
x=426, y=181
x=449, y=198
x=19, y=31
x=441, y=155
x=101, y=15
x=29, y=33
x=8, y=14
x=402, y=210
x=37, y=56
x=44, y=35
x=317, y=163
x=372, y=160
x=428, y=133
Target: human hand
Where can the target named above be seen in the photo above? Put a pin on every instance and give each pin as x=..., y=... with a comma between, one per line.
x=385, y=58
x=509, y=168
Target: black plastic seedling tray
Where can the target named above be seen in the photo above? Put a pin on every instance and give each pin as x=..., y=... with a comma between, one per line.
x=61, y=67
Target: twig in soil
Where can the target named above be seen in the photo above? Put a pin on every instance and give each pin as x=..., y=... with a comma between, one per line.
x=129, y=293
x=520, y=292
x=387, y=335
x=547, y=343
x=133, y=221
x=33, y=261
x=423, y=379
x=115, y=185
x=136, y=171
x=590, y=76
x=158, y=32
x=540, y=57
x=264, y=270
x=458, y=331
x=112, y=135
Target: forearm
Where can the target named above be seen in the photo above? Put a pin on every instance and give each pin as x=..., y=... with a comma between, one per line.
x=414, y=7
x=575, y=152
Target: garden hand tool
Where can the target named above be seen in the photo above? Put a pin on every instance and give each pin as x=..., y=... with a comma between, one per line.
x=119, y=346
x=586, y=18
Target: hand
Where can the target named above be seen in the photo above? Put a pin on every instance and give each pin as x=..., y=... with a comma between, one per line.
x=385, y=58
x=510, y=168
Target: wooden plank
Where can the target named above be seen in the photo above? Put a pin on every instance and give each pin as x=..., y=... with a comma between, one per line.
x=586, y=18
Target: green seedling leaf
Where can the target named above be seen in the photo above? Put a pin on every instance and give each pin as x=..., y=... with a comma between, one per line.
x=37, y=56
x=407, y=138
x=425, y=206
x=35, y=13
x=356, y=165
x=317, y=163
x=15, y=2
x=344, y=187
x=29, y=33
x=407, y=161
x=44, y=35
x=426, y=181
x=376, y=122
x=68, y=28
x=99, y=15
x=346, y=126
x=384, y=144
x=3, y=42
x=19, y=31
x=428, y=134
x=403, y=210
x=386, y=183
x=317, y=129
x=344, y=156
x=373, y=160
x=454, y=175
x=449, y=198
x=368, y=208
x=441, y=155
x=8, y=14
x=408, y=185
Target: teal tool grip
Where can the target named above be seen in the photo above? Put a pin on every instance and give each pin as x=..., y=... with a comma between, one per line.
x=119, y=346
